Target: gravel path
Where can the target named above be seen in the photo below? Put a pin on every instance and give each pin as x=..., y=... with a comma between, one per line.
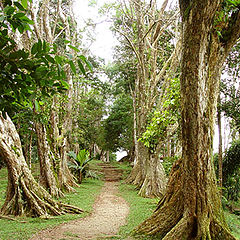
x=109, y=213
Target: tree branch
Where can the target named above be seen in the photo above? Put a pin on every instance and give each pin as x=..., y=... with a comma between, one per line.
x=131, y=45
x=232, y=33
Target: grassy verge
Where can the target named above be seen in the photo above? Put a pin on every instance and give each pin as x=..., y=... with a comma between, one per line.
x=140, y=209
x=84, y=198
x=234, y=223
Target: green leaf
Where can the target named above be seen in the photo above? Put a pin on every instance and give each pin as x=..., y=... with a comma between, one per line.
x=89, y=65
x=34, y=48
x=72, y=65
x=19, y=6
x=9, y=10
x=18, y=15
x=27, y=20
x=54, y=48
x=74, y=48
x=81, y=67
x=44, y=46
x=20, y=28
x=39, y=46
x=37, y=106
x=66, y=41
x=49, y=58
x=25, y=3
x=58, y=59
x=65, y=84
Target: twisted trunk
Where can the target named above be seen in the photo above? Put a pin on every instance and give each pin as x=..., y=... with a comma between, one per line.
x=147, y=173
x=154, y=184
x=66, y=179
x=47, y=178
x=24, y=195
x=191, y=208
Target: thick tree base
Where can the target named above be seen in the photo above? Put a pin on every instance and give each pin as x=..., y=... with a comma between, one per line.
x=30, y=199
x=154, y=184
x=24, y=195
x=136, y=177
x=172, y=219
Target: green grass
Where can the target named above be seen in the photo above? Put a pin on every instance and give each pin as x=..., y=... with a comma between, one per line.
x=140, y=209
x=84, y=198
x=125, y=167
x=234, y=223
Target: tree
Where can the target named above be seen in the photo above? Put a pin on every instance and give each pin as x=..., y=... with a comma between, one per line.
x=118, y=126
x=57, y=33
x=191, y=208
x=24, y=195
x=25, y=76
x=144, y=28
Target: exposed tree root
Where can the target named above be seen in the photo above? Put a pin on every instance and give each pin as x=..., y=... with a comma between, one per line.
x=47, y=178
x=154, y=184
x=24, y=195
x=173, y=219
x=35, y=201
x=11, y=219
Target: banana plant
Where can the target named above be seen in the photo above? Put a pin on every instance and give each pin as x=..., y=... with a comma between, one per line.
x=79, y=163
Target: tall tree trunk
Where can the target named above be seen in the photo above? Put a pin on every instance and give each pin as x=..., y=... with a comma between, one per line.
x=24, y=195
x=66, y=179
x=137, y=174
x=220, y=155
x=47, y=178
x=146, y=93
x=191, y=208
x=154, y=184
x=45, y=30
x=28, y=150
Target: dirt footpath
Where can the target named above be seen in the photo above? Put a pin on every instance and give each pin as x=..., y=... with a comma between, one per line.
x=109, y=213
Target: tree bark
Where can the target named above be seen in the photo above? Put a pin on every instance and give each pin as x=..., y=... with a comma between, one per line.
x=47, y=178
x=28, y=150
x=24, y=195
x=154, y=184
x=191, y=208
x=150, y=24
x=137, y=174
x=66, y=179
x=220, y=155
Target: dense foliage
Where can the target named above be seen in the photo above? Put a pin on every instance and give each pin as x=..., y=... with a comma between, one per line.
x=165, y=118
x=119, y=125
x=231, y=171
x=25, y=75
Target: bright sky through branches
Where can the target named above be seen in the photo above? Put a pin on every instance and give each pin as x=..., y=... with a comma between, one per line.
x=103, y=46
